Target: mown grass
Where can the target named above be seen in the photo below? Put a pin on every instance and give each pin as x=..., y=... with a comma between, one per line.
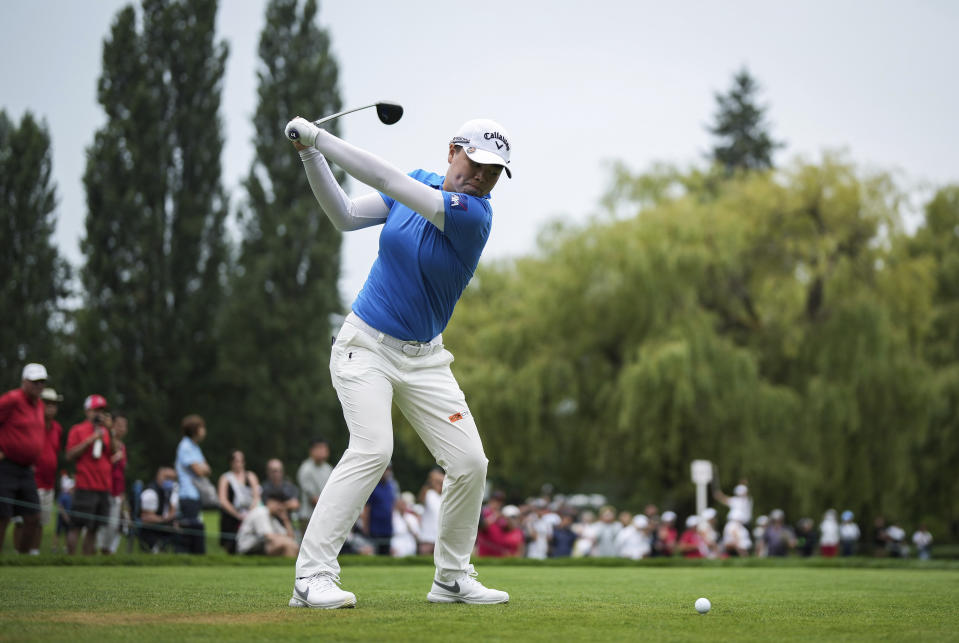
x=547, y=603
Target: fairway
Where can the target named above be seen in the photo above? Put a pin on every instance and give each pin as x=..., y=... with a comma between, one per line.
x=547, y=603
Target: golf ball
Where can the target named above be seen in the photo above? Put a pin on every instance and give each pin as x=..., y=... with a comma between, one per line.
x=703, y=605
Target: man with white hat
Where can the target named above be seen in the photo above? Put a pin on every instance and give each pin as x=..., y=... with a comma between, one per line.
x=45, y=467
x=21, y=442
x=390, y=347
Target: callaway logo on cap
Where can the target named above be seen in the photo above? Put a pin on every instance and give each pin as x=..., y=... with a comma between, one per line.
x=485, y=141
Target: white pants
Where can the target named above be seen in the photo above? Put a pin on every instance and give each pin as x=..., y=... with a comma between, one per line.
x=368, y=377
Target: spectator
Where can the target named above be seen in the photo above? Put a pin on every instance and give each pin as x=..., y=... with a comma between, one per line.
x=632, y=541
x=736, y=541
x=431, y=497
x=691, y=543
x=664, y=543
x=563, y=538
x=707, y=530
x=606, y=530
x=503, y=536
x=277, y=485
x=45, y=468
x=848, y=534
x=158, y=510
x=586, y=530
x=922, y=539
x=191, y=467
x=90, y=444
x=540, y=529
x=267, y=529
x=488, y=514
x=897, y=545
x=238, y=491
x=108, y=538
x=64, y=506
x=406, y=527
x=806, y=537
x=880, y=538
x=378, y=514
x=829, y=535
x=21, y=444
x=779, y=538
x=759, y=532
x=740, y=504
x=312, y=476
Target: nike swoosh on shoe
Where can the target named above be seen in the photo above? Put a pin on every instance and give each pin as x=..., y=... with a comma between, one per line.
x=455, y=587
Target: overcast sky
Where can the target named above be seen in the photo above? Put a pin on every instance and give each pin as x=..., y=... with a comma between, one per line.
x=577, y=85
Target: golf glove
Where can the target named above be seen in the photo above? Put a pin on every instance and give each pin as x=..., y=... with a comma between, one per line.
x=302, y=131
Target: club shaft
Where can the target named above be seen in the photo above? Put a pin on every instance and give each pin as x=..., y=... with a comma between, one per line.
x=343, y=113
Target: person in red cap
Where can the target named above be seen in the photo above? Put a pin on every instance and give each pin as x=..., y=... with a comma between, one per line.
x=89, y=444
x=21, y=441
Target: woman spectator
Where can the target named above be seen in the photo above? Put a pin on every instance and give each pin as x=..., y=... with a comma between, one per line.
x=238, y=491
x=430, y=497
x=191, y=467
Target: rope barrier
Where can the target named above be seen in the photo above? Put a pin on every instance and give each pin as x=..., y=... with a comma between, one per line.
x=127, y=522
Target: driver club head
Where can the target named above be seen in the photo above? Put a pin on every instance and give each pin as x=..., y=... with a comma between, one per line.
x=389, y=113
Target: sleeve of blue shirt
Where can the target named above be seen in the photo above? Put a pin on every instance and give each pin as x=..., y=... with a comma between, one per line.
x=467, y=223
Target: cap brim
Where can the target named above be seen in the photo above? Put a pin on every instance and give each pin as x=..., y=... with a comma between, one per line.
x=488, y=158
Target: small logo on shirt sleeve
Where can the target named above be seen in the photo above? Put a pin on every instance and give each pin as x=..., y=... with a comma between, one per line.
x=458, y=202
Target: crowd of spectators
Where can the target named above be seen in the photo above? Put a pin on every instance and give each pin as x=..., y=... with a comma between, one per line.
x=268, y=516
x=558, y=526
x=89, y=505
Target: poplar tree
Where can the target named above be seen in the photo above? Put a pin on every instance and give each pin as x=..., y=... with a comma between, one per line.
x=34, y=274
x=277, y=326
x=154, y=245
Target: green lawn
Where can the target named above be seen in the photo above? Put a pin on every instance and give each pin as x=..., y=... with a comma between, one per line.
x=548, y=603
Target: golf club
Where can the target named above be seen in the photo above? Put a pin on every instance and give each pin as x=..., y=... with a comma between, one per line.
x=388, y=113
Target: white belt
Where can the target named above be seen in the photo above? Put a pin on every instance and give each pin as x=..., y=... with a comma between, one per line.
x=413, y=349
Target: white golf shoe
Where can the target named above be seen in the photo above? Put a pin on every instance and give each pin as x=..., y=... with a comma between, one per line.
x=465, y=589
x=321, y=591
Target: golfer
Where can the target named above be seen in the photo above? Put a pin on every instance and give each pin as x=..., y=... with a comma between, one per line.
x=390, y=348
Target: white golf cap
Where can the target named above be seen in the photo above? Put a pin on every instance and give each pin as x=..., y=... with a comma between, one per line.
x=485, y=141
x=511, y=511
x=741, y=490
x=709, y=513
x=669, y=516
x=640, y=521
x=34, y=372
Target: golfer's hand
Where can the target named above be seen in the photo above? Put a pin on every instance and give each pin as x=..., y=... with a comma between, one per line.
x=302, y=131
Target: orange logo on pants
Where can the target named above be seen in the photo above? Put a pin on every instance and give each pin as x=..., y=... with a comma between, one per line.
x=456, y=417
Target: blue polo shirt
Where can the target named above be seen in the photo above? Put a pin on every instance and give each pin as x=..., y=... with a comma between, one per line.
x=187, y=453
x=420, y=272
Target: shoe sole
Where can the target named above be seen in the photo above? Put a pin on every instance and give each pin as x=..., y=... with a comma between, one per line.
x=297, y=602
x=444, y=598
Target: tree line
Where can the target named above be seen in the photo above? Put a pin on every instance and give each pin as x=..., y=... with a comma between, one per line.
x=782, y=322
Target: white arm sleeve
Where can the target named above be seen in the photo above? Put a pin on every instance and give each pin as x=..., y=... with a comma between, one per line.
x=346, y=214
x=380, y=175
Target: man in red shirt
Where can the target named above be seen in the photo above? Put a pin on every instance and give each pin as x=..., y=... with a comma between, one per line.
x=21, y=441
x=89, y=444
x=503, y=536
x=45, y=470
